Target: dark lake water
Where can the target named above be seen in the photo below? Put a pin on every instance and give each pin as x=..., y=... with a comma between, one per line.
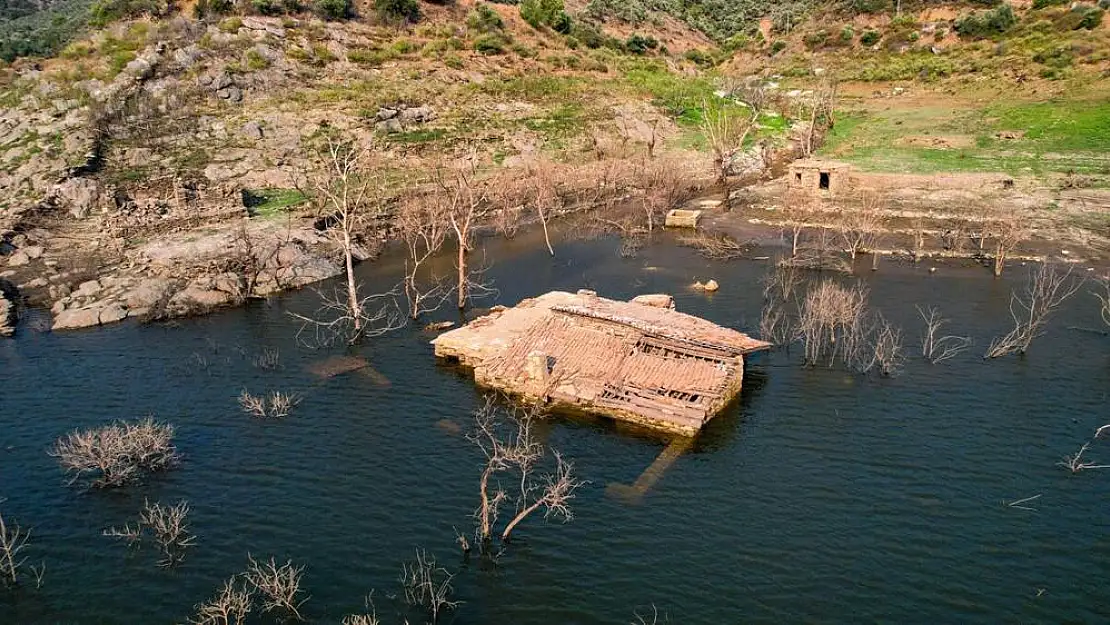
x=823, y=496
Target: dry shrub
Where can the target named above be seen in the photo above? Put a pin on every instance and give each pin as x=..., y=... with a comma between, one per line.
x=116, y=454
x=230, y=606
x=278, y=405
x=279, y=586
x=166, y=525
x=714, y=246
x=13, y=540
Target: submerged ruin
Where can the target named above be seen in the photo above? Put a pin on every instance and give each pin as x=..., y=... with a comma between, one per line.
x=639, y=361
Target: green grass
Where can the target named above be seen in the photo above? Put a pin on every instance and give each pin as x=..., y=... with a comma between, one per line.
x=422, y=135
x=1059, y=137
x=269, y=203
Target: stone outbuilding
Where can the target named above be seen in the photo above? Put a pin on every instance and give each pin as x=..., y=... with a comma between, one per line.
x=819, y=176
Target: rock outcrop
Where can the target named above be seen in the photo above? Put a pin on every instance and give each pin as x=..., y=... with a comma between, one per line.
x=7, y=308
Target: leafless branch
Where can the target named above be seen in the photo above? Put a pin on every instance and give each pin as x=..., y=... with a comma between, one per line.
x=428, y=585
x=715, y=246
x=279, y=586
x=1103, y=295
x=1020, y=503
x=167, y=526
x=937, y=347
x=1045, y=290
x=13, y=540
x=230, y=606
x=335, y=320
x=1075, y=463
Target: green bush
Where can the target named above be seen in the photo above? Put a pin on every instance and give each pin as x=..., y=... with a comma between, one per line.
x=1042, y=4
x=490, y=44
x=982, y=24
x=870, y=38
x=483, y=19
x=589, y=35
x=41, y=33
x=550, y=13
x=104, y=12
x=847, y=34
x=778, y=46
x=640, y=44
x=870, y=6
x=267, y=7
x=340, y=9
x=398, y=10
x=816, y=39
x=1089, y=16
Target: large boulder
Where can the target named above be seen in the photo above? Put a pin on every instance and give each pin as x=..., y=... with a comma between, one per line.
x=656, y=300
x=79, y=196
x=77, y=318
x=7, y=308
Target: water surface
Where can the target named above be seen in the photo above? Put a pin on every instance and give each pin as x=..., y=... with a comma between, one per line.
x=823, y=496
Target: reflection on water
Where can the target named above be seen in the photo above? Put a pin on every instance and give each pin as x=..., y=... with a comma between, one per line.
x=820, y=496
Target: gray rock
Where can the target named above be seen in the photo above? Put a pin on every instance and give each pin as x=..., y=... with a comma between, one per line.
x=418, y=115
x=148, y=293
x=77, y=318
x=78, y=195
x=7, y=315
x=19, y=259
x=234, y=94
x=253, y=130
x=88, y=288
x=390, y=125
x=141, y=68
x=386, y=113
x=221, y=81
x=37, y=283
x=229, y=283
x=112, y=313
x=34, y=251
x=58, y=308
x=193, y=298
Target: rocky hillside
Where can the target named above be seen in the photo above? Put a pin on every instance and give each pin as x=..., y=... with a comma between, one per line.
x=141, y=140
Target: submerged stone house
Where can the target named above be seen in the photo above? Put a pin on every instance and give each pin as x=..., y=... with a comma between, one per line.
x=639, y=361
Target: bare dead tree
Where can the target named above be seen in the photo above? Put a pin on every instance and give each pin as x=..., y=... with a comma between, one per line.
x=937, y=347
x=831, y=323
x=423, y=227
x=278, y=586
x=884, y=350
x=428, y=585
x=510, y=448
x=714, y=246
x=13, y=540
x=663, y=185
x=461, y=196
x=230, y=606
x=545, y=198
x=822, y=114
x=167, y=526
x=1103, y=295
x=725, y=132
x=779, y=304
x=1008, y=231
x=116, y=454
x=860, y=228
x=346, y=196
x=648, y=619
x=820, y=252
x=333, y=321
x=553, y=496
x=1075, y=462
x=800, y=210
x=1045, y=290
